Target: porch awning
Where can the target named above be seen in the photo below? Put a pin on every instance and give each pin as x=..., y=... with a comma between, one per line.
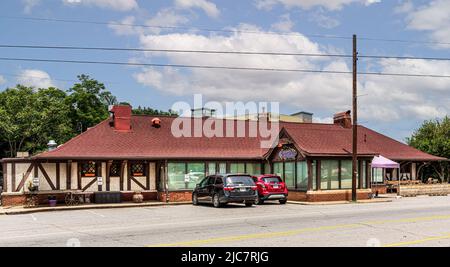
x=385, y=163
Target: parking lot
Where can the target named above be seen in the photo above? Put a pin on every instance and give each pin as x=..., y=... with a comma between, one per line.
x=421, y=221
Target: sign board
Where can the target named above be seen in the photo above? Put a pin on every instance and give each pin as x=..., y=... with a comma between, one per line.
x=100, y=180
x=288, y=153
x=36, y=181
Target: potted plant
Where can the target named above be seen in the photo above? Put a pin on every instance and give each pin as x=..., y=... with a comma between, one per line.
x=32, y=187
x=52, y=201
x=138, y=197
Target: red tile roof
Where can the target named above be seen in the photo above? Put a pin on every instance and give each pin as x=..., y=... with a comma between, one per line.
x=147, y=142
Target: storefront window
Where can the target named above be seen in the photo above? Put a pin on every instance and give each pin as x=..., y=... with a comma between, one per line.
x=346, y=174
x=302, y=175
x=329, y=172
x=289, y=174
x=378, y=175
x=222, y=168
x=278, y=169
x=176, y=175
x=267, y=169
x=211, y=168
x=253, y=168
x=314, y=174
x=237, y=168
x=363, y=174
x=196, y=172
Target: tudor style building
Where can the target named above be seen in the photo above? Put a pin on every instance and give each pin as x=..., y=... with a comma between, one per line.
x=140, y=153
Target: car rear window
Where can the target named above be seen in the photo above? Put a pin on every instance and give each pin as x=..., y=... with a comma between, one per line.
x=240, y=180
x=271, y=180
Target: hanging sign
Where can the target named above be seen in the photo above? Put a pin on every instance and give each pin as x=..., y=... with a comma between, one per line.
x=100, y=180
x=288, y=153
x=36, y=181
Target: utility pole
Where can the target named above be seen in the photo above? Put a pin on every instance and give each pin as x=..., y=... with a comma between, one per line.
x=355, y=120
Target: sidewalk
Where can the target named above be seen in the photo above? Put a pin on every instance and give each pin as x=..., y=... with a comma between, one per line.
x=22, y=210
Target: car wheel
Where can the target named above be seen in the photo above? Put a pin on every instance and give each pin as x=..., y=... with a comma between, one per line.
x=194, y=199
x=283, y=201
x=216, y=201
x=259, y=201
x=249, y=204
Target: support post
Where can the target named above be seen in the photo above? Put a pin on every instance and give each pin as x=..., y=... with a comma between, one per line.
x=355, y=120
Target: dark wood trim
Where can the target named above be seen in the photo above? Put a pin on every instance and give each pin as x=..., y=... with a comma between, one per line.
x=79, y=186
x=369, y=174
x=147, y=175
x=47, y=178
x=360, y=181
x=69, y=175
x=58, y=177
x=122, y=172
x=25, y=177
x=99, y=166
x=13, y=175
x=36, y=170
x=310, y=175
x=138, y=183
x=108, y=177
x=340, y=173
x=5, y=178
x=318, y=174
x=89, y=184
x=129, y=176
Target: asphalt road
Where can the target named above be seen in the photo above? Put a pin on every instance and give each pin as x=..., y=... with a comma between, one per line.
x=422, y=221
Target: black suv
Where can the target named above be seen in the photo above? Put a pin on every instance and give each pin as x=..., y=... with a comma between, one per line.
x=223, y=189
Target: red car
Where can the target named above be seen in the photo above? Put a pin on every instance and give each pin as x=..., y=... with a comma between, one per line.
x=270, y=187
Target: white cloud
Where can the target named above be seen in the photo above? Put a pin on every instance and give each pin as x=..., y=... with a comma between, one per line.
x=119, y=5
x=284, y=25
x=29, y=5
x=432, y=17
x=208, y=7
x=2, y=80
x=389, y=99
x=35, y=78
x=323, y=20
x=308, y=4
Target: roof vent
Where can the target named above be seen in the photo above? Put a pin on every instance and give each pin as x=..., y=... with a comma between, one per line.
x=156, y=123
x=52, y=145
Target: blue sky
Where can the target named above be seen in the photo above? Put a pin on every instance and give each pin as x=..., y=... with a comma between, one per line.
x=395, y=106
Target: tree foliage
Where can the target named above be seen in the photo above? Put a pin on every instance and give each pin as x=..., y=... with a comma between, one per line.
x=433, y=137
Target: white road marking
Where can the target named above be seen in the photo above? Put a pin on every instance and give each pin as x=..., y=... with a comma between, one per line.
x=33, y=217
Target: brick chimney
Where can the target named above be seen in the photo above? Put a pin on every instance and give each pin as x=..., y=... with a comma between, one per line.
x=343, y=119
x=121, y=117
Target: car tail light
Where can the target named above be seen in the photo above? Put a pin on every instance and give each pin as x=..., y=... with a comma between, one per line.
x=254, y=187
x=228, y=188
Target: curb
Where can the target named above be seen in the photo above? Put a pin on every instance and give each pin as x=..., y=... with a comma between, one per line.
x=93, y=207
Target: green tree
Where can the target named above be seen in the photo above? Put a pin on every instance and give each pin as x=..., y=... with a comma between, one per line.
x=149, y=111
x=433, y=137
x=29, y=118
x=88, y=102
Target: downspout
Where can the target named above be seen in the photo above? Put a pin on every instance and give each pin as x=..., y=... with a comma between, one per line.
x=166, y=182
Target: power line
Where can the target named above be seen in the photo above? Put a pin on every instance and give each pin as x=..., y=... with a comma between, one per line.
x=50, y=78
x=221, y=67
x=175, y=27
x=171, y=50
x=224, y=30
x=217, y=52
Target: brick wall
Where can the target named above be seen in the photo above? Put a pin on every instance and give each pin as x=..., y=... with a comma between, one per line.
x=176, y=196
x=13, y=200
x=332, y=195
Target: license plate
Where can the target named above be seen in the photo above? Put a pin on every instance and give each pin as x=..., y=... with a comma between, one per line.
x=276, y=186
x=243, y=189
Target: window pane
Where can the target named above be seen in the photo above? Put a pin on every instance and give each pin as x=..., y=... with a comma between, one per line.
x=346, y=174
x=278, y=169
x=378, y=175
x=363, y=174
x=196, y=172
x=302, y=175
x=267, y=169
x=237, y=168
x=253, y=168
x=176, y=173
x=289, y=174
x=211, y=168
x=314, y=174
x=329, y=172
x=222, y=168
